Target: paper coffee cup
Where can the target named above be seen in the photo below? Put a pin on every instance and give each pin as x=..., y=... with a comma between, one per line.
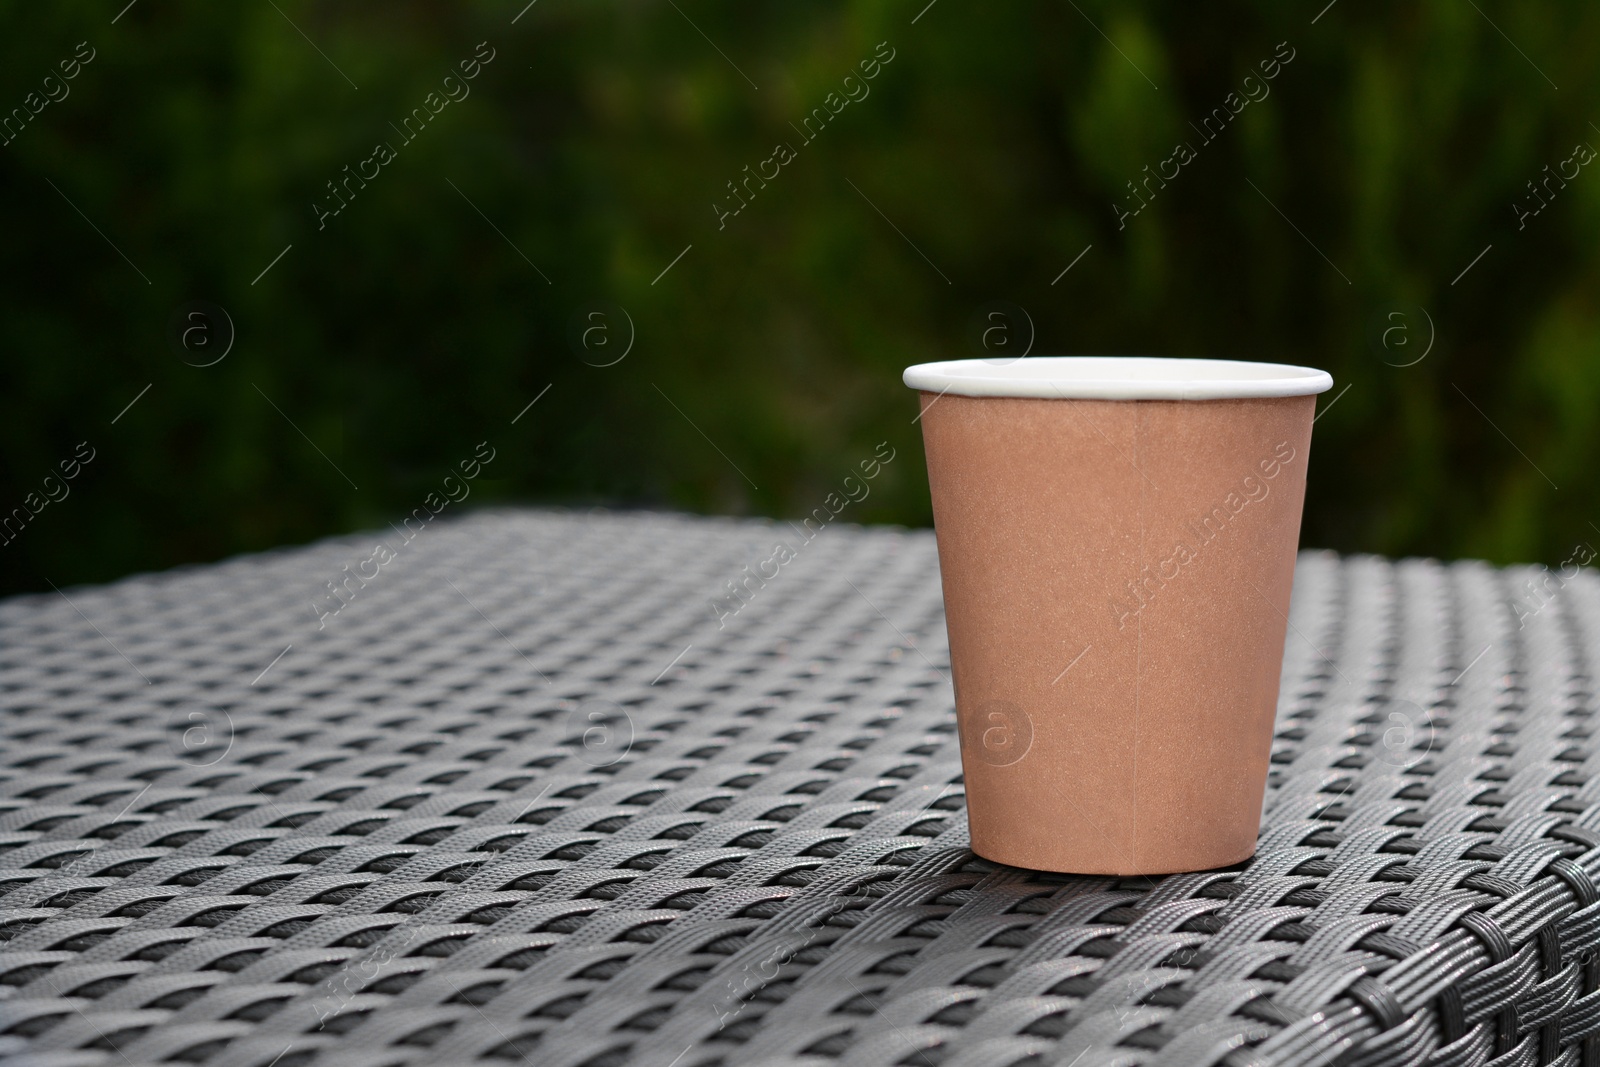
x=1117, y=541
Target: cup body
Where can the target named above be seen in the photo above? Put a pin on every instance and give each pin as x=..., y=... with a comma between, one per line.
x=1117, y=572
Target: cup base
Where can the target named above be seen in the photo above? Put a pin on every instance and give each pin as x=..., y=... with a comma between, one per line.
x=1102, y=866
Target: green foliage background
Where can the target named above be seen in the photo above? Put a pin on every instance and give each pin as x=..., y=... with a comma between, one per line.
x=597, y=141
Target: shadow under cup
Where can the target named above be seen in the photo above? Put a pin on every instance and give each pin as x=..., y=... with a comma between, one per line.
x=1117, y=541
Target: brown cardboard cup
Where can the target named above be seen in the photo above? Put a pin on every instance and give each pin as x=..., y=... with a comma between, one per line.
x=1117, y=542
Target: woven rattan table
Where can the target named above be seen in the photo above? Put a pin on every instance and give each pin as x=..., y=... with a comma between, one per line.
x=522, y=794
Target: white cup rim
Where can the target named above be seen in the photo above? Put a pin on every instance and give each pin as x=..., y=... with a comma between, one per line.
x=1117, y=378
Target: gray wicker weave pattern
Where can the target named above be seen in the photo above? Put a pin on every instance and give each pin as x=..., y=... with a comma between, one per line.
x=522, y=799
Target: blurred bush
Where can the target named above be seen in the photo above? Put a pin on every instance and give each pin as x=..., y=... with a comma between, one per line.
x=994, y=147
